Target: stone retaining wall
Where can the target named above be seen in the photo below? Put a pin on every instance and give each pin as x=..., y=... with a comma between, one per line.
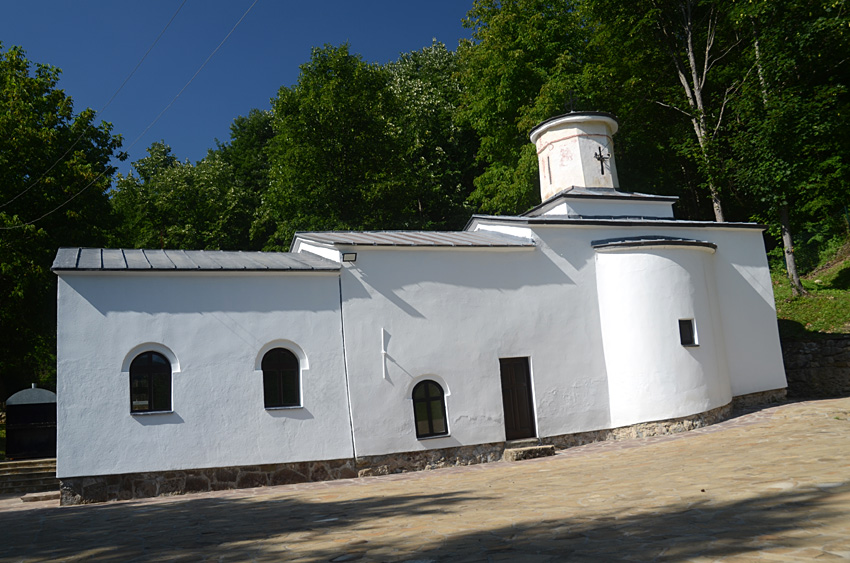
x=83, y=490
x=818, y=368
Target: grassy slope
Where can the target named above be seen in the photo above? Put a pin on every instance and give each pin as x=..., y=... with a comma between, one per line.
x=826, y=310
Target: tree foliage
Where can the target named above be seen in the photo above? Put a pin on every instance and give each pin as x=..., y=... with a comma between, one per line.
x=681, y=76
x=173, y=204
x=525, y=56
x=363, y=146
x=54, y=173
x=789, y=142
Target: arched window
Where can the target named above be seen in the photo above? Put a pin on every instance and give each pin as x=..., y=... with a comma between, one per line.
x=280, y=379
x=429, y=409
x=150, y=383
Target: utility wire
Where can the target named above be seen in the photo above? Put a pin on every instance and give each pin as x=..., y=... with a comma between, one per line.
x=171, y=103
x=87, y=186
x=129, y=76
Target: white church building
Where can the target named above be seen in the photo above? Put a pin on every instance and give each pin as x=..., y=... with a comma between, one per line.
x=595, y=315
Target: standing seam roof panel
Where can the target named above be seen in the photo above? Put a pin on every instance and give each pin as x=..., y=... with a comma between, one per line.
x=136, y=260
x=159, y=259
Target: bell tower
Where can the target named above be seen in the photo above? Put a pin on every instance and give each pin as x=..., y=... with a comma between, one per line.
x=576, y=150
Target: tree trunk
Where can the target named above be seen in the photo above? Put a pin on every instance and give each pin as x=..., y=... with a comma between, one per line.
x=693, y=75
x=784, y=221
x=788, y=246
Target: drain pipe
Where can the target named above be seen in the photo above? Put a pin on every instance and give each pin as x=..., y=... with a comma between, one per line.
x=345, y=370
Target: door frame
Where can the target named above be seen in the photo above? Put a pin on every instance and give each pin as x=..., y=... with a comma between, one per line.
x=523, y=426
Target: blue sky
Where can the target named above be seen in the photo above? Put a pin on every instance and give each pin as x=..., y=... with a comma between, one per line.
x=97, y=43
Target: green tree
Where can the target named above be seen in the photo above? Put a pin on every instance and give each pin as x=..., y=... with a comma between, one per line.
x=525, y=56
x=790, y=137
x=173, y=204
x=438, y=158
x=681, y=54
x=363, y=146
x=247, y=155
x=54, y=173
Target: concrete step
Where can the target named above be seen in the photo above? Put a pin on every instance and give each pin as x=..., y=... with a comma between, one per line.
x=28, y=462
x=37, y=487
x=530, y=452
x=28, y=476
x=39, y=497
x=16, y=467
x=522, y=443
x=4, y=473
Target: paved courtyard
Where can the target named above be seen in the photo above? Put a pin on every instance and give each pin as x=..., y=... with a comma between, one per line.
x=772, y=485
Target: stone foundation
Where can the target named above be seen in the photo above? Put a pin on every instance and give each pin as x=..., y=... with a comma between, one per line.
x=758, y=399
x=429, y=459
x=818, y=368
x=83, y=490
x=642, y=430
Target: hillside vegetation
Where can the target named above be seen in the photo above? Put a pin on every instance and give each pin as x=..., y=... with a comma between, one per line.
x=827, y=308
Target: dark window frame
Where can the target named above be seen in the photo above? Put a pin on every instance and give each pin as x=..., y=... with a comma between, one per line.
x=281, y=379
x=157, y=379
x=433, y=393
x=688, y=333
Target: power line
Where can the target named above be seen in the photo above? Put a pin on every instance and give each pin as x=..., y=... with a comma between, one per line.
x=74, y=144
x=87, y=186
x=171, y=103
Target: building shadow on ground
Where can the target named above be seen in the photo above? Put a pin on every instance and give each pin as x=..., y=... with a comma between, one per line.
x=402, y=528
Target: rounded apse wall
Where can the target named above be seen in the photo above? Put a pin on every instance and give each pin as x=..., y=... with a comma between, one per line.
x=644, y=292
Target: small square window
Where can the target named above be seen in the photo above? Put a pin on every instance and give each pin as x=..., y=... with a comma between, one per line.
x=687, y=332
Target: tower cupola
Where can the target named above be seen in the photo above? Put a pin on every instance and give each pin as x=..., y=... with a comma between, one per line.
x=576, y=150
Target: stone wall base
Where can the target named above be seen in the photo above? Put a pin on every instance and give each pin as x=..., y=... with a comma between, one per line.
x=760, y=398
x=84, y=490
x=102, y=488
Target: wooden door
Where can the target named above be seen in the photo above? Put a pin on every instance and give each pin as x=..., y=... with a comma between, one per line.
x=516, y=398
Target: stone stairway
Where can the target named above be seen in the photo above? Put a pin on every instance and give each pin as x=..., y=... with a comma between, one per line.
x=529, y=448
x=28, y=476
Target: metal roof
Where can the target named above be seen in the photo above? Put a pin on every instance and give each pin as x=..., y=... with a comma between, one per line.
x=610, y=222
x=415, y=238
x=653, y=240
x=34, y=396
x=119, y=259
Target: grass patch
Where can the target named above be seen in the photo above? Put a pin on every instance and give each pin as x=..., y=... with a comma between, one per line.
x=827, y=308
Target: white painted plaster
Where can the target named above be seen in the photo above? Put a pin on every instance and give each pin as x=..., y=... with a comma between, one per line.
x=520, y=232
x=600, y=328
x=643, y=292
x=453, y=315
x=589, y=208
x=565, y=149
x=217, y=326
x=324, y=251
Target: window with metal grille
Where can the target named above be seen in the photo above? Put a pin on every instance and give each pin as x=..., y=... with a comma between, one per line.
x=429, y=409
x=150, y=383
x=281, y=385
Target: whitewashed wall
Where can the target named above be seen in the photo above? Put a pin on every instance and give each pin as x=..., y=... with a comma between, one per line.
x=449, y=315
x=565, y=153
x=588, y=207
x=747, y=313
x=643, y=292
x=216, y=328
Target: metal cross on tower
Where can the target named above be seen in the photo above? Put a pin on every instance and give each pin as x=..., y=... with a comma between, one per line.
x=570, y=101
x=601, y=158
